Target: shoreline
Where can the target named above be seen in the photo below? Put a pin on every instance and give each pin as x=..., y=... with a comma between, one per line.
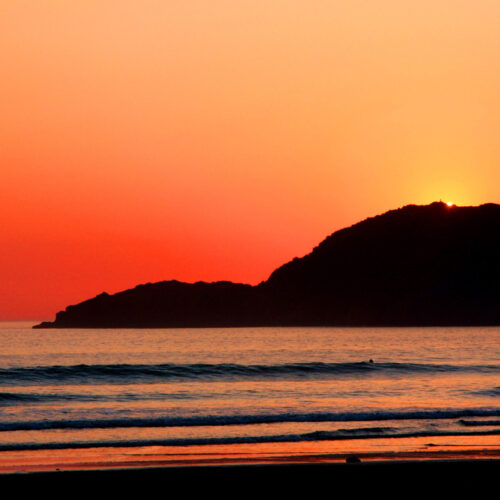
x=294, y=454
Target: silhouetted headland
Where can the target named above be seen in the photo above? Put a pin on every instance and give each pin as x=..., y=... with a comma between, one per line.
x=418, y=265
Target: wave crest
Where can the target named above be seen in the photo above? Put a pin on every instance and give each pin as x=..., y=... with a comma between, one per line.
x=128, y=373
x=221, y=420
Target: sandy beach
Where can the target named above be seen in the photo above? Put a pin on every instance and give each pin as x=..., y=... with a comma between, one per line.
x=387, y=478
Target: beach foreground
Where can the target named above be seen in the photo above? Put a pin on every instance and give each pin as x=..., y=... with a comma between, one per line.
x=394, y=466
x=374, y=450
x=385, y=478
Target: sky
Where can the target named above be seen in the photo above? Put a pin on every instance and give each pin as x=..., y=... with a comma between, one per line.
x=148, y=140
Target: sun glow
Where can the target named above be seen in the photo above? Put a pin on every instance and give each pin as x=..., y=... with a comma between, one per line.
x=450, y=204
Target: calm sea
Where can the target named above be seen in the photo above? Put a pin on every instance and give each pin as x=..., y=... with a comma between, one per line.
x=187, y=388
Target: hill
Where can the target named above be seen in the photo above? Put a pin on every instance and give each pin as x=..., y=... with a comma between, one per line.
x=418, y=265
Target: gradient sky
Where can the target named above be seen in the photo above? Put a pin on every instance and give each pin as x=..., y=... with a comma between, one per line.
x=147, y=140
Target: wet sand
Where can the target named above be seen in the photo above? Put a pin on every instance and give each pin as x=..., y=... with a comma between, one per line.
x=368, y=450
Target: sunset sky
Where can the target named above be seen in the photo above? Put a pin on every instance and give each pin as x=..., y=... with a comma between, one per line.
x=147, y=140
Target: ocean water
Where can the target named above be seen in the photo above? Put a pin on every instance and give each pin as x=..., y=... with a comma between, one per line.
x=189, y=391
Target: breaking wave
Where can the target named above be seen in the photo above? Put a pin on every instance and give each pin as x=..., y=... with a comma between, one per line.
x=128, y=373
x=221, y=420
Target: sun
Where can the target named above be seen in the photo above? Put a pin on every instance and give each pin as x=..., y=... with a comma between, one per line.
x=450, y=204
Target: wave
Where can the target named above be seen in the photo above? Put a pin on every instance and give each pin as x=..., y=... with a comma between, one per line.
x=480, y=423
x=127, y=373
x=494, y=392
x=16, y=398
x=222, y=420
x=279, y=438
x=10, y=398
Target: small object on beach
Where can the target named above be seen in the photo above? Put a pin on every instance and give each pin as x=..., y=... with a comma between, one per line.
x=352, y=459
x=371, y=361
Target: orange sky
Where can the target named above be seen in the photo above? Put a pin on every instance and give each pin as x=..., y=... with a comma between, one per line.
x=146, y=140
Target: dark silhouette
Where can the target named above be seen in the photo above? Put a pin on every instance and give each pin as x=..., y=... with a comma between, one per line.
x=418, y=265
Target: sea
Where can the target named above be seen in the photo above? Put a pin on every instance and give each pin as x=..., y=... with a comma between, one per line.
x=83, y=398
